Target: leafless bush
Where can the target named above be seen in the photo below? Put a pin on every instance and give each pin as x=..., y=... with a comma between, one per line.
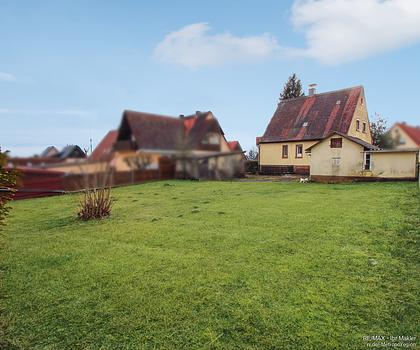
x=96, y=203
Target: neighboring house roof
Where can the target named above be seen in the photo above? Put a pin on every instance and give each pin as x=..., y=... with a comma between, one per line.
x=395, y=150
x=365, y=144
x=104, y=148
x=50, y=151
x=412, y=131
x=234, y=146
x=152, y=131
x=313, y=117
x=71, y=151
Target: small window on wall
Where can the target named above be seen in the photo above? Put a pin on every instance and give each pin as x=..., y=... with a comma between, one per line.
x=299, y=151
x=364, y=127
x=336, y=161
x=336, y=142
x=357, y=124
x=367, y=161
x=285, y=151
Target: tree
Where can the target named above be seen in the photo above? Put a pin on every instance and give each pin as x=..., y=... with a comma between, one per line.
x=378, y=130
x=7, y=186
x=292, y=88
x=252, y=154
x=140, y=161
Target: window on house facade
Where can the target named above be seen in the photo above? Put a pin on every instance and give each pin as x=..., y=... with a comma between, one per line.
x=212, y=138
x=285, y=151
x=336, y=142
x=299, y=151
x=364, y=127
x=367, y=161
x=357, y=124
x=361, y=100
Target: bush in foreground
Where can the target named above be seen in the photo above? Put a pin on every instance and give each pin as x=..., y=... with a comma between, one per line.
x=95, y=203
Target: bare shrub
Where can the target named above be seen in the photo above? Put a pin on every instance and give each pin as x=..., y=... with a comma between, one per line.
x=96, y=203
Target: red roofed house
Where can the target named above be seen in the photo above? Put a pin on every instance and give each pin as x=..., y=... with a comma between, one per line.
x=104, y=149
x=195, y=144
x=299, y=123
x=405, y=136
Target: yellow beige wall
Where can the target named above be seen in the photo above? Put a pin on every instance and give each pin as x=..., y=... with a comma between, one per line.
x=80, y=167
x=324, y=159
x=120, y=164
x=361, y=114
x=394, y=165
x=271, y=153
x=400, y=135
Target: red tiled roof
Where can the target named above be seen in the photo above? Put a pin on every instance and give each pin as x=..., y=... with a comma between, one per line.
x=104, y=147
x=234, y=146
x=152, y=131
x=313, y=117
x=412, y=131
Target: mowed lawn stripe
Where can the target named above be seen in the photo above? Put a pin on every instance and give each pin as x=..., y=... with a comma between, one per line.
x=214, y=265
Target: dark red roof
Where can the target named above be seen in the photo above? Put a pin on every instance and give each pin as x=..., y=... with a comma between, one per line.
x=412, y=131
x=313, y=117
x=152, y=131
x=104, y=148
x=234, y=146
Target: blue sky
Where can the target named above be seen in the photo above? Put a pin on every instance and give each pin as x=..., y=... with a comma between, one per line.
x=69, y=68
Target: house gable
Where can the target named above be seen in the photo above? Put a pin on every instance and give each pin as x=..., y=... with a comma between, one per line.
x=405, y=136
x=360, y=126
x=146, y=131
x=313, y=117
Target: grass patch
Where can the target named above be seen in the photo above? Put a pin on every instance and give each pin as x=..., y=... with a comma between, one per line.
x=259, y=266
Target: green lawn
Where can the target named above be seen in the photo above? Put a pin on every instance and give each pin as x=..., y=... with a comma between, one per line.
x=214, y=265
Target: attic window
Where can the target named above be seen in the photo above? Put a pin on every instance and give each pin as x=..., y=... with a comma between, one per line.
x=357, y=125
x=305, y=124
x=336, y=142
x=211, y=138
x=338, y=102
x=364, y=127
x=361, y=100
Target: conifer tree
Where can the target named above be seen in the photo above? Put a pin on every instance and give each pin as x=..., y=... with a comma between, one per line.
x=292, y=89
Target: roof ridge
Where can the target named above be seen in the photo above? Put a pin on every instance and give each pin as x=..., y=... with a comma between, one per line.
x=322, y=93
x=149, y=114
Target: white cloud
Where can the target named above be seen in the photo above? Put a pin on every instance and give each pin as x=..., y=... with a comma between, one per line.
x=335, y=31
x=192, y=46
x=7, y=77
x=338, y=31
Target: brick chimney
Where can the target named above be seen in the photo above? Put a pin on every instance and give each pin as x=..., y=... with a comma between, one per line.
x=312, y=89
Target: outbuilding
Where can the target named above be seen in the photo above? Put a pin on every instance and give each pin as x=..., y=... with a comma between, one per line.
x=340, y=157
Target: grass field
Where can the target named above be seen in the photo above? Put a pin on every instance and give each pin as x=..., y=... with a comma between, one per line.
x=214, y=265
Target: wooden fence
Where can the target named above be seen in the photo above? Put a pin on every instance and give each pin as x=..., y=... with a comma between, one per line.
x=41, y=183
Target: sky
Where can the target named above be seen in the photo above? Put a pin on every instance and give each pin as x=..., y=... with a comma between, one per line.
x=68, y=69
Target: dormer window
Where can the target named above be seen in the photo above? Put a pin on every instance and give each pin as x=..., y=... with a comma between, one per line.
x=212, y=138
x=305, y=124
x=357, y=125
